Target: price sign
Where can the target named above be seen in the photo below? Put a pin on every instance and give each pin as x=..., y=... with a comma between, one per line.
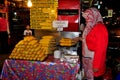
x=43, y=14
x=60, y=24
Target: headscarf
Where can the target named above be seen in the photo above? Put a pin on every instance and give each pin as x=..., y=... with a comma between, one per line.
x=92, y=17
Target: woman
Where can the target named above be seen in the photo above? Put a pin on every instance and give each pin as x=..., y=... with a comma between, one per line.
x=4, y=34
x=94, y=45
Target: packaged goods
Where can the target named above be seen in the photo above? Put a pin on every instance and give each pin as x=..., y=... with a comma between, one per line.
x=32, y=49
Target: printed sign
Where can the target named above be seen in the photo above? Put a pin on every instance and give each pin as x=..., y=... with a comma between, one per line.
x=43, y=14
x=60, y=24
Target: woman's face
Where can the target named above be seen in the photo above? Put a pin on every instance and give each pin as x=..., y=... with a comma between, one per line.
x=84, y=15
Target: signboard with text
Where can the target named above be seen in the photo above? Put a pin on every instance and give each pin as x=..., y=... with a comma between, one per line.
x=61, y=24
x=43, y=14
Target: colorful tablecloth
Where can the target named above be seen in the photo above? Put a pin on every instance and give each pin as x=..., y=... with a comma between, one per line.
x=36, y=70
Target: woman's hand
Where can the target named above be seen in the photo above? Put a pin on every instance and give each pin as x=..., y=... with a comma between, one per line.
x=76, y=39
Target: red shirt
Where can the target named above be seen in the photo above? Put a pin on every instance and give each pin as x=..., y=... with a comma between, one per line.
x=97, y=41
x=3, y=24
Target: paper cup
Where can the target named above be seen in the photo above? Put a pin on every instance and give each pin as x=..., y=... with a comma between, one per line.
x=57, y=54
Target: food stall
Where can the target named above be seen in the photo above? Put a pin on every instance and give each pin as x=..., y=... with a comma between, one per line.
x=34, y=60
x=48, y=55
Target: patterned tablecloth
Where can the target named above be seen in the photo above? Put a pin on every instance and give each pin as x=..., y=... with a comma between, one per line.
x=36, y=70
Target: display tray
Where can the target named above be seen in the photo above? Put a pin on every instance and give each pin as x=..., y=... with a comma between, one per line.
x=49, y=58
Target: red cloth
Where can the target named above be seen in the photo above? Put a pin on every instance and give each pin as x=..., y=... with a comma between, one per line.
x=3, y=24
x=97, y=41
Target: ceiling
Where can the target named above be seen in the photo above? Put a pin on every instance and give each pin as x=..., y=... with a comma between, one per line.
x=18, y=3
x=114, y=4
x=23, y=3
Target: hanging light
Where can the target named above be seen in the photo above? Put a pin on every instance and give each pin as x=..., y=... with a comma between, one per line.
x=29, y=4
